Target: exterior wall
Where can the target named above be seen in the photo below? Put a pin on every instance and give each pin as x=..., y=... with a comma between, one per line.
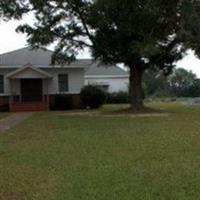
x=4, y=72
x=115, y=84
x=75, y=80
x=50, y=86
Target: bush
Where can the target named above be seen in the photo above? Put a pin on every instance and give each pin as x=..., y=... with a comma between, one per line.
x=92, y=96
x=118, y=97
x=62, y=102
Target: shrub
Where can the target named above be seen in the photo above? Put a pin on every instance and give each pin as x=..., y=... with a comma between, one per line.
x=118, y=97
x=92, y=96
x=62, y=102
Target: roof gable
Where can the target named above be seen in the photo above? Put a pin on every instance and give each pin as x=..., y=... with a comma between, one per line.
x=28, y=71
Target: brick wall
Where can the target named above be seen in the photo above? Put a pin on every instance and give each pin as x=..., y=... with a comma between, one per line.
x=4, y=103
x=72, y=102
x=29, y=106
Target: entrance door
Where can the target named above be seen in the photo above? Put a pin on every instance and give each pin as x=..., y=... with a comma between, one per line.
x=31, y=90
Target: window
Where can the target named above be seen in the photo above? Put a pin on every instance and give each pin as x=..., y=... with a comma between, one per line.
x=63, y=82
x=1, y=84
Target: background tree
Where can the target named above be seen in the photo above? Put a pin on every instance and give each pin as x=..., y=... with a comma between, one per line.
x=183, y=83
x=180, y=83
x=155, y=84
x=194, y=90
x=142, y=34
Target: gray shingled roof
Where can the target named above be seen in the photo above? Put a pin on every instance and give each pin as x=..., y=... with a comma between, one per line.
x=37, y=57
x=42, y=58
x=105, y=70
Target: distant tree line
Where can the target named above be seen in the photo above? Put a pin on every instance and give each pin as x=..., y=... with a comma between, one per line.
x=181, y=83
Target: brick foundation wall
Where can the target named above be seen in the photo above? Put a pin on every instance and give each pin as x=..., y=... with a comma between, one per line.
x=4, y=103
x=69, y=101
x=29, y=107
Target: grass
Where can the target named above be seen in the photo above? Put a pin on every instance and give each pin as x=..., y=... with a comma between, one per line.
x=57, y=157
x=4, y=114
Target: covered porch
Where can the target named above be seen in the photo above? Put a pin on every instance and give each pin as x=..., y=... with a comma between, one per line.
x=29, y=89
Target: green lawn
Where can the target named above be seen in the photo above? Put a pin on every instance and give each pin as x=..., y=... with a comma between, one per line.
x=4, y=114
x=58, y=157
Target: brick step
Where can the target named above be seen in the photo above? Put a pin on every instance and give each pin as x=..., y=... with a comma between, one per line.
x=29, y=106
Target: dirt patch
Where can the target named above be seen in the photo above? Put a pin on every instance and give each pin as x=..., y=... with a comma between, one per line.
x=114, y=114
x=81, y=114
x=138, y=115
x=11, y=196
x=145, y=110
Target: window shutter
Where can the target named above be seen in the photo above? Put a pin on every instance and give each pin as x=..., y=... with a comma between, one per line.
x=63, y=82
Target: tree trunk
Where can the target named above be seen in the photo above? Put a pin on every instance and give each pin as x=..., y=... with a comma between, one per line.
x=136, y=91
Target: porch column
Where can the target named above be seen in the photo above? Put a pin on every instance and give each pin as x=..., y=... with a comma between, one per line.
x=20, y=92
x=43, y=90
x=11, y=96
x=47, y=92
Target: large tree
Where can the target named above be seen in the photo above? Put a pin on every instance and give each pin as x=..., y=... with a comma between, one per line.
x=142, y=34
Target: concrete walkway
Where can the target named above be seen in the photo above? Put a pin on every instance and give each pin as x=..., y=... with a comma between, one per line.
x=12, y=120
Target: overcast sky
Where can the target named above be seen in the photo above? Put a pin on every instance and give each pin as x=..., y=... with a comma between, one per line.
x=10, y=40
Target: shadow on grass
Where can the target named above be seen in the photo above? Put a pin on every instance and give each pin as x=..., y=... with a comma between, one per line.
x=145, y=112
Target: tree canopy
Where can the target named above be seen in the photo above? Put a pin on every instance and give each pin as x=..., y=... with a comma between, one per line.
x=142, y=34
